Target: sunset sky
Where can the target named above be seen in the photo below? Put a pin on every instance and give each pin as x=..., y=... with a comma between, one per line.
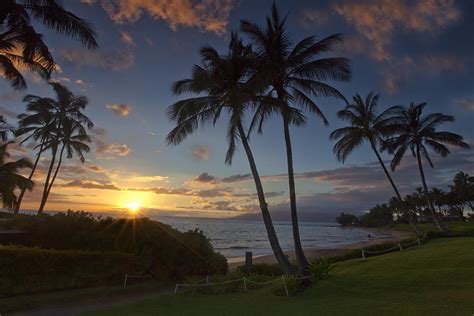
x=420, y=51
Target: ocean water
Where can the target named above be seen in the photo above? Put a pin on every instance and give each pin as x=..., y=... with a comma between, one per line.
x=232, y=238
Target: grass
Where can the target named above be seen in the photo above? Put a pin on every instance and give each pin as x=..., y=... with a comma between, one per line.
x=86, y=296
x=436, y=279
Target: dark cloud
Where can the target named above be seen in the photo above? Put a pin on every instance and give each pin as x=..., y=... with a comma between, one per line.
x=237, y=178
x=91, y=185
x=205, y=178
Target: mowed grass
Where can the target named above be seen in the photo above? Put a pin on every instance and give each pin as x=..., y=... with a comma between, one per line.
x=435, y=279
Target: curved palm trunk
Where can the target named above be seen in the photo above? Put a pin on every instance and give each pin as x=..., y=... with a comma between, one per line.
x=399, y=197
x=427, y=195
x=23, y=191
x=55, y=173
x=300, y=257
x=46, y=183
x=267, y=220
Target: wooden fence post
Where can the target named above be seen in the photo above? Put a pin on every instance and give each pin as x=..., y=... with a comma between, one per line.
x=363, y=253
x=400, y=246
x=125, y=281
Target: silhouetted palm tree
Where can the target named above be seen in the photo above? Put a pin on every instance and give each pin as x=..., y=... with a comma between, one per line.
x=50, y=124
x=21, y=47
x=4, y=129
x=72, y=138
x=294, y=76
x=222, y=81
x=367, y=126
x=35, y=126
x=10, y=179
x=418, y=133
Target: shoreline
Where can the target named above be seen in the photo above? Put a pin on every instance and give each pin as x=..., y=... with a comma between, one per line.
x=311, y=253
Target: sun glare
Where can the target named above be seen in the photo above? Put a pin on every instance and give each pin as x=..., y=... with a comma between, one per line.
x=133, y=207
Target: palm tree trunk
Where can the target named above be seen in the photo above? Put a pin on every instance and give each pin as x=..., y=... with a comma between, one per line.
x=300, y=257
x=23, y=191
x=399, y=197
x=427, y=195
x=46, y=183
x=267, y=220
x=55, y=172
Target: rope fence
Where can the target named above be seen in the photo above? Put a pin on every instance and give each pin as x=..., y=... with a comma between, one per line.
x=245, y=281
x=417, y=241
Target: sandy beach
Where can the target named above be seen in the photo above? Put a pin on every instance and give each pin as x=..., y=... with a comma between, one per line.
x=381, y=235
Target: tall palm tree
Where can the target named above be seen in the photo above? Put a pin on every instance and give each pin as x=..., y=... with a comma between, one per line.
x=294, y=75
x=36, y=125
x=21, y=47
x=49, y=123
x=10, y=179
x=418, y=133
x=72, y=138
x=368, y=126
x=222, y=81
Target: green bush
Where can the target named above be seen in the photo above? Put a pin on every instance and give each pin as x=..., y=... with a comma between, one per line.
x=262, y=269
x=320, y=268
x=168, y=253
x=30, y=270
x=293, y=286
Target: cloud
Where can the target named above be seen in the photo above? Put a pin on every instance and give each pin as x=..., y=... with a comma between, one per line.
x=378, y=20
x=91, y=185
x=120, y=109
x=98, y=131
x=404, y=70
x=205, y=178
x=109, y=151
x=237, y=178
x=127, y=39
x=117, y=60
x=146, y=178
x=201, y=153
x=206, y=15
x=465, y=103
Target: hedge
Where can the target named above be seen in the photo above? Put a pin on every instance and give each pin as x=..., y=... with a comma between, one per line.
x=30, y=270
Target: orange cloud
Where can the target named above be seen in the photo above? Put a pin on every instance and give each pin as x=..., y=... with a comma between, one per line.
x=111, y=61
x=127, y=39
x=120, y=109
x=206, y=15
x=377, y=20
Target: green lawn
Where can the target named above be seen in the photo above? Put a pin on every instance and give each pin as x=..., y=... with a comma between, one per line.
x=436, y=279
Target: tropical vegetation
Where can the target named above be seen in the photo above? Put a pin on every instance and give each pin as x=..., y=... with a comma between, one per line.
x=23, y=48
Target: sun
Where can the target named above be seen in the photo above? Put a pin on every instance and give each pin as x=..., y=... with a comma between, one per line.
x=133, y=207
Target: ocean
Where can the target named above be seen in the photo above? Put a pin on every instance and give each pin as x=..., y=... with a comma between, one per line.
x=232, y=238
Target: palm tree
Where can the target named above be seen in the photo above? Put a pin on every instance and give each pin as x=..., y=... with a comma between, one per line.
x=10, y=180
x=367, y=126
x=37, y=125
x=21, y=47
x=4, y=129
x=51, y=123
x=222, y=81
x=72, y=138
x=418, y=133
x=294, y=75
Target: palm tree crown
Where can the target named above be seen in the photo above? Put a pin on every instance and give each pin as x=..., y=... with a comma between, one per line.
x=21, y=47
x=418, y=133
x=10, y=179
x=365, y=125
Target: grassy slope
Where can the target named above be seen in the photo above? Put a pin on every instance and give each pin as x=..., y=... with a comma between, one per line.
x=436, y=279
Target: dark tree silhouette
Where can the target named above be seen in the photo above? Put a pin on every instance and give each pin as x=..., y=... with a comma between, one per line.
x=294, y=75
x=224, y=86
x=21, y=47
x=365, y=125
x=418, y=133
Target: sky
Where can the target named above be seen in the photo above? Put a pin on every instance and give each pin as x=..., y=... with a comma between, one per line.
x=408, y=51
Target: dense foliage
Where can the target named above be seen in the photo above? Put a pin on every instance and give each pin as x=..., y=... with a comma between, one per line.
x=452, y=205
x=29, y=270
x=166, y=252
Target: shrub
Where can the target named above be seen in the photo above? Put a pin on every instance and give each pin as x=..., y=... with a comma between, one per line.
x=29, y=270
x=262, y=268
x=293, y=286
x=320, y=268
x=167, y=253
